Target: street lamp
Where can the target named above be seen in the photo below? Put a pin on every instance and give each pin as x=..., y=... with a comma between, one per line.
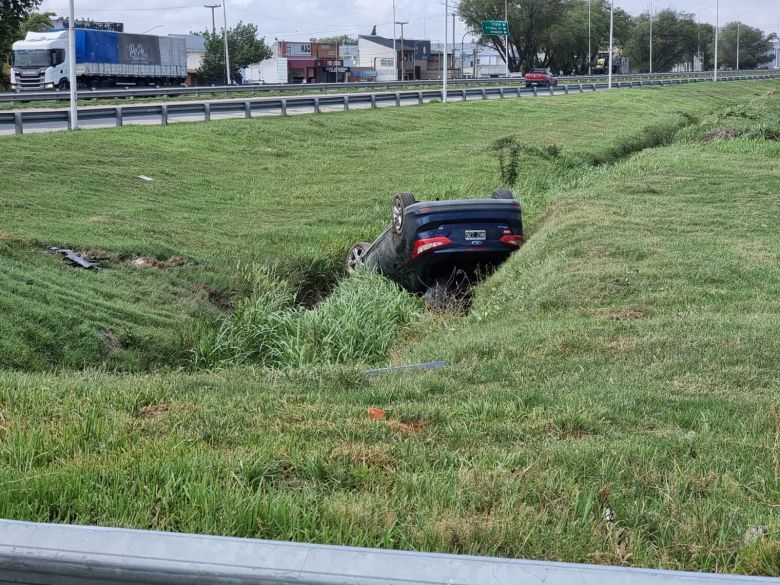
x=506, y=37
x=611, y=29
x=227, y=53
x=651, y=36
x=717, y=12
x=444, y=55
x=213, y=7
x=403, y=52
x=74, y=114
x=590, y=52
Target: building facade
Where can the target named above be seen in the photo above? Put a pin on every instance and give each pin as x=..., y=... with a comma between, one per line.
x=300, y=62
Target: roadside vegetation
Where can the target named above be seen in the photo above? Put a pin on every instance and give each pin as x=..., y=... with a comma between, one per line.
x=611, y=397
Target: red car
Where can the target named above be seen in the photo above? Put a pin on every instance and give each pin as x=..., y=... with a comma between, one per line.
x=541, y=78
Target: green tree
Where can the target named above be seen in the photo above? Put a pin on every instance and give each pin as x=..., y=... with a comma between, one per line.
x=550, y=33
x=245, y=49
x=339, y=40
x=12, y=15
x=675, y=41
x=753, y=46
x=37, y=22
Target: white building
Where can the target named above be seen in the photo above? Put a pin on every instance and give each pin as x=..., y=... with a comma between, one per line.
x=775, y=52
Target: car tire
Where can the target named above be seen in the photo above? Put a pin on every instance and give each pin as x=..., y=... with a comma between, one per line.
x=400, y=202
x=356, y=255
x=502, y=194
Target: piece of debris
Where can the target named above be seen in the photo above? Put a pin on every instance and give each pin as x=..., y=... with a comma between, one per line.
x=755, y=533
x=112, y=341
x=145, y=178
x=376, y=413
x=609, y=515
x=427, y=366
x=172, y=262
x=74, y=258
x=380, y=415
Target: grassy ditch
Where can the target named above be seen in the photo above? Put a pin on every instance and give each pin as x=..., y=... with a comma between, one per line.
x=295, y=191
x=625, y=361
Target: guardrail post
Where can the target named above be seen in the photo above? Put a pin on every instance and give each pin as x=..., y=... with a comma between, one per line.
x=164, y=115
x=483, y=93
x=463, y=94
x=373, y=101
x=501, y=93
x=566, y=89
x=534, y=88
x=420, y=98
x=118, y=114
x=19, y=125
x=519, y=91
x=398, y=98
x=247, y=109
x=284, y=106
x=316, y=105
x=550, y=88
x=580, y=87
x=346, y=102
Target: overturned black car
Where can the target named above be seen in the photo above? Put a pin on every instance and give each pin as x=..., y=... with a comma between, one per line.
x=434, y=246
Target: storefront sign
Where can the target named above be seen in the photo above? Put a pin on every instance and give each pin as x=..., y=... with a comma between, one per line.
x=296, y=49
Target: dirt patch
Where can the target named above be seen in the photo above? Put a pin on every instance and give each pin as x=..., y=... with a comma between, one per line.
x=158, y=411
x=5, y=235
x=112, y=341
x=623, y=314
x=172, y=262
x=721, y=133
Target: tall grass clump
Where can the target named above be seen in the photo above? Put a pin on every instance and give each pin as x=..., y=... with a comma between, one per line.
x=359, y=322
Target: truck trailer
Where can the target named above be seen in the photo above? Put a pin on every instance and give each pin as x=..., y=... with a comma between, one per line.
x=103, y=59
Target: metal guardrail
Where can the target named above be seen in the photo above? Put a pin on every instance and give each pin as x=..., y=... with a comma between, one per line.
x=51, y=554
x=280, y=105
x=198, y=91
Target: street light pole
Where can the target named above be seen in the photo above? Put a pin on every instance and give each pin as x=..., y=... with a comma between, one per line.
x=590, y=52
x=611, y=28
x=213, y=21
x=651, y=36
x=227, y=52
x=444, y=55
x=74, y=112
x=403, y=46
x=453, y=41
x=737, y=41
x=717, y=12
x=395, y=49
x=506, y=37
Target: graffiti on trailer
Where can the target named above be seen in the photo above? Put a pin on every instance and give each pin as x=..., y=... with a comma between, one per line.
x=137, y=53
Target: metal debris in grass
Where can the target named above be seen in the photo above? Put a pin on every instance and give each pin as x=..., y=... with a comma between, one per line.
x=78, y=260
x=145, y=178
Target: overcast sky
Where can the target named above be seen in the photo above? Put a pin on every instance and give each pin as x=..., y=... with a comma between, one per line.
x=305, y=19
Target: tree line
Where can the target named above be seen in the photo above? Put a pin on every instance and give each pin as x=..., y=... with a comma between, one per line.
x=554, y=34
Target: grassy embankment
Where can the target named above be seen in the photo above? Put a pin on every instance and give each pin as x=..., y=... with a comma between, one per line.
x=625, y=359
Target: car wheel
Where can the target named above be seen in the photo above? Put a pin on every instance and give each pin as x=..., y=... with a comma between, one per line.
x=502, y=194
x=356, y=255
x=400, y=202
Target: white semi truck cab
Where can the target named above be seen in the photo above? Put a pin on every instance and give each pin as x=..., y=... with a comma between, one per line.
x=40, y=62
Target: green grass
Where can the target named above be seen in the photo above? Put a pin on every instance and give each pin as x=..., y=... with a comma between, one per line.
x=295, y=191
x=624, y=359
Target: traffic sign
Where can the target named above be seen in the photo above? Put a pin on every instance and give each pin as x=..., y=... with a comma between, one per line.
x=495, y=27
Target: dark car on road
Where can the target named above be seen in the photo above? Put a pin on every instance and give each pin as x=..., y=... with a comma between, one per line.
x=429, y=242
x=541, y=78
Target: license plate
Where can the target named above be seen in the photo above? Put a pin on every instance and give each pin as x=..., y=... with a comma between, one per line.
x=475, y=234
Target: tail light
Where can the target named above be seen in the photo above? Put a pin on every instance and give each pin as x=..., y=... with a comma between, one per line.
x=511, y=240
x=428, y=244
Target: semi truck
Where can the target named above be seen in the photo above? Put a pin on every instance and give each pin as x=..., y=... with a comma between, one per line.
x=103, y=59
x=619, y=64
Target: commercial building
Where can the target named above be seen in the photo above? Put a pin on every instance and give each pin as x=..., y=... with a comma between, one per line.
x=300, y=62
x=412, y=59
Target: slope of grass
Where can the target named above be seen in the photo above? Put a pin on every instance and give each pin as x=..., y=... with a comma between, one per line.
x=626, y=359
x=295, y=191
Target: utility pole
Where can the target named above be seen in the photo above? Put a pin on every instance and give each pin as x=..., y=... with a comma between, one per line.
x=213, y=21
x=590, y=51
x=737, y=41
x=403, y=46
x=611, y=29
x=74, y=112
x=651, y=36
x=444, y=55
x=454, y=63
x=506, y=37
x=395, y=49
x=227, y=52
x=717, y=13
